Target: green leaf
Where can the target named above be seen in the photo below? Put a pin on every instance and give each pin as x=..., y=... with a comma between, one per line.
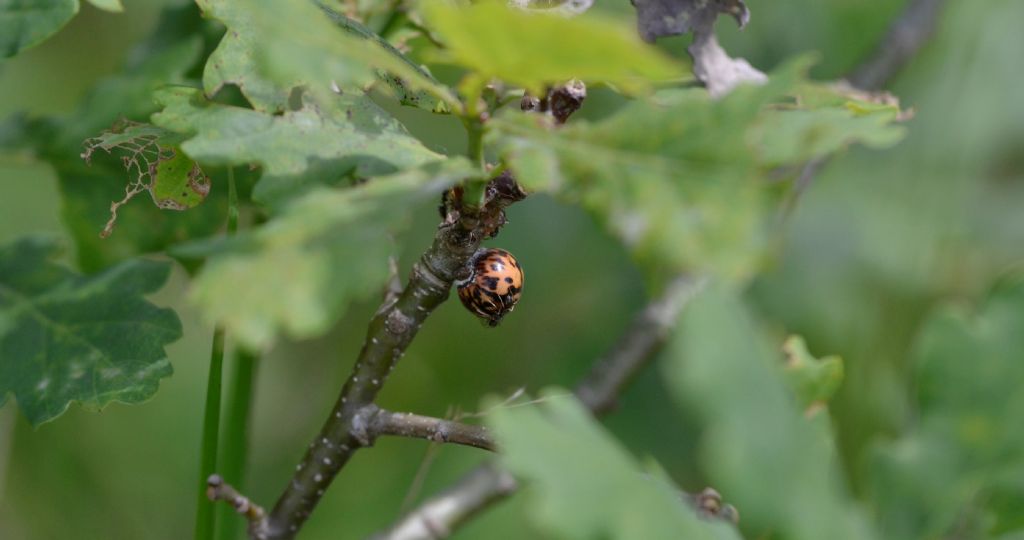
x=532, y=49
x=314, y=144
x=344, y=52
x=957, y=469
x=298, y=272
x=813, y=380
x=66, y=337
x=582, y=483
x=26, y=23
x=683, y=181
x=757, y=448
x=113, y=6
x=790, y=136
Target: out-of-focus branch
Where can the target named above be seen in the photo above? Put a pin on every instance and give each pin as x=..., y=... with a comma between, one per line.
x=905, y=37
x=443, y=513
x=599, y=390
x=373, y=422
x=601, y=387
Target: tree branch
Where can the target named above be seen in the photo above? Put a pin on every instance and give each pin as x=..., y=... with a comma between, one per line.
x=487, y=484
x=372, y=422
x=393, y=327
x=905, y=37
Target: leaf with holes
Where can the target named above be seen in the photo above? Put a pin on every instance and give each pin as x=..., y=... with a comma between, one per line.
x=68, y=338
x=171, y=50
x=155, y=164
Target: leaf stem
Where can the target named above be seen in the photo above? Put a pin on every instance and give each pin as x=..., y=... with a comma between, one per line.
x=205, y=515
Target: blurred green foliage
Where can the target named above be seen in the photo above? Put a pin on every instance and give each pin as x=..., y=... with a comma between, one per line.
x=925, y=421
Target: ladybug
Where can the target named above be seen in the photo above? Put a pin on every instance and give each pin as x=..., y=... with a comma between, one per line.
x=494, y=285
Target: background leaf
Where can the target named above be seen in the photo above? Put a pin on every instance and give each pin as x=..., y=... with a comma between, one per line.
x=318, y=143
x=90, y=339
x=556, y=447
x=753, y=428
x=683, y=183
x=24, y=23
x=956, y=468
x=812, y=380
x=533, y=49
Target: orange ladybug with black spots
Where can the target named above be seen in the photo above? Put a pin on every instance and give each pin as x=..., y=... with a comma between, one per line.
x=494, y=285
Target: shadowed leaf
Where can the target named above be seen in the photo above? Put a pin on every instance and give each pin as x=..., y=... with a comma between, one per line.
x=88, y=339
x=25, y=23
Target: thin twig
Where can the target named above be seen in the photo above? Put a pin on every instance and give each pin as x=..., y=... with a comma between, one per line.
x=487, y=484
x=219, y=490
x=372, y=422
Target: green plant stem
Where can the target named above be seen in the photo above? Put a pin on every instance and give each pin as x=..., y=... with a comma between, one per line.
x=473, y=194
x=232, y=203
x=236, y=436
x=205, y=514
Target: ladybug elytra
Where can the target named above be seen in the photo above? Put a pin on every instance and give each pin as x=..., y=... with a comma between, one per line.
x=494, y=285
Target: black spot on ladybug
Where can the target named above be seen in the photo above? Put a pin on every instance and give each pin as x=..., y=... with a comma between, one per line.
x=494, y=267
x=508, y=280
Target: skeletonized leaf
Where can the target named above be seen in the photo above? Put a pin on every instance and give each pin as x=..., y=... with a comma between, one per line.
x=170, y=51
x=299, y=271
x=583, y=484
x=314, y=144
x=154, y=164
x=65, y=337
x=532, y=49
